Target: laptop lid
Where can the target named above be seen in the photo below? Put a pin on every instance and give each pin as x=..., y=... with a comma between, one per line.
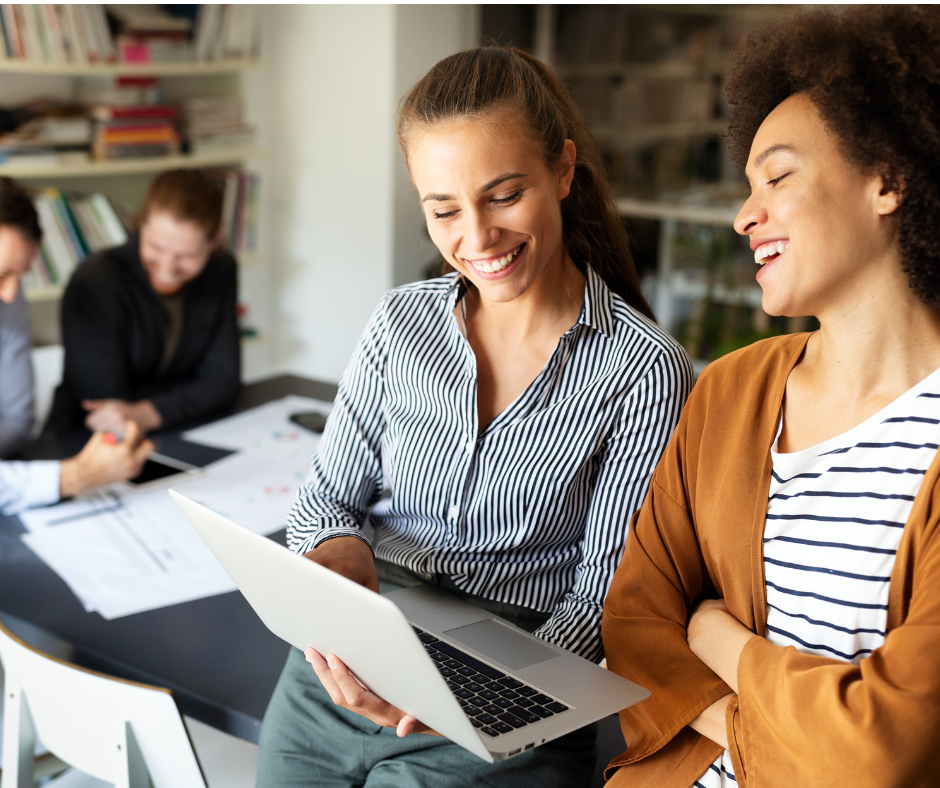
x=307, y=605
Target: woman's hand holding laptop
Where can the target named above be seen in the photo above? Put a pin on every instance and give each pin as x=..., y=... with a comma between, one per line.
x=351, y=557
x=346, y=691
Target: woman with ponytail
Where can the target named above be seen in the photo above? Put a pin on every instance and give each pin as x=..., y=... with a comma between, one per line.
x=512, y=411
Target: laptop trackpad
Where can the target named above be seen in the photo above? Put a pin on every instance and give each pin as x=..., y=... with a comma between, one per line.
x=502, y=643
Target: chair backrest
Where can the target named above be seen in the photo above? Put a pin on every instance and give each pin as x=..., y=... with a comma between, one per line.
x=118, y=731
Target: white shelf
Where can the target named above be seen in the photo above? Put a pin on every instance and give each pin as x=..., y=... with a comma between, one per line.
x=83, y=169
x=633, y=136
x=52, y=293
x=654, y=209
x=186, y=69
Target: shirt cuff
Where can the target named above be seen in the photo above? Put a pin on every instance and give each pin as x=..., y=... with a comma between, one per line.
x=321, y=535
x=44, y=483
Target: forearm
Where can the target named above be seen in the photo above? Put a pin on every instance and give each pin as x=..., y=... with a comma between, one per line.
x=711, y=723
x=193, y=400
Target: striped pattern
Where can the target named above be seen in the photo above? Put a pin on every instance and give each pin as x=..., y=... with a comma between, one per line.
x=835, y=518
x=534, y=509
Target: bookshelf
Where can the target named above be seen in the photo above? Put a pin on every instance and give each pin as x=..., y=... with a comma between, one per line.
x=124, y=180
x=183, y=69
x=82, y=169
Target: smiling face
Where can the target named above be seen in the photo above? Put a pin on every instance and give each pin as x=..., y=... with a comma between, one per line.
x=822, y=231
x=16, y=252
x=492, y=205
x=172, y=252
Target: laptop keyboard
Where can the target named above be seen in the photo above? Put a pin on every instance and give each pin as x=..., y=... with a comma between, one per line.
x=494, y=702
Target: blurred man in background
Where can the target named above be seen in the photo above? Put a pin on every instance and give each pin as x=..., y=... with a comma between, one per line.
x=104, y=459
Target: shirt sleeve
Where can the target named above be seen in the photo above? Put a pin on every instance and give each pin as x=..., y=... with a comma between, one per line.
x=644, y=427
x=27, y=484
x=16, y=373
x=218, y=377
x=345, y=476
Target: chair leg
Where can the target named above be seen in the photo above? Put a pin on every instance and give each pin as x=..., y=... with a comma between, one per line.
x=19, y=737
x=132, y=769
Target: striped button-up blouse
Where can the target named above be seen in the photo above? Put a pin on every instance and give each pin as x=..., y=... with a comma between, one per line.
x=533, y=509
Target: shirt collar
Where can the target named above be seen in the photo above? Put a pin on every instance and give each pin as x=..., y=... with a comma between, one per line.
x=598, y=308
x=597, y=311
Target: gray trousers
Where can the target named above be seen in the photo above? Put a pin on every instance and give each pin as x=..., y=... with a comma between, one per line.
x=306, y=740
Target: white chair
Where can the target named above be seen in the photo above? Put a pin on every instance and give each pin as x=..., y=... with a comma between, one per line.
x=111, y=731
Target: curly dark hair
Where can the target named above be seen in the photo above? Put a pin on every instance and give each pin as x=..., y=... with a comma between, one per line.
x=873, y=73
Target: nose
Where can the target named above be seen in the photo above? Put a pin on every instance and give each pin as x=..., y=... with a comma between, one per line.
x=8, y=286
x=480, y=233
x=751, y=216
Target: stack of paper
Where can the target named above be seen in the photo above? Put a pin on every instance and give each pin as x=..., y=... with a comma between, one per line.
x=123, y=551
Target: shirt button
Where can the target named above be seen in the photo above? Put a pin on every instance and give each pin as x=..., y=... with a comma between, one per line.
x=428, y=577
x=471, y=445
x=454, y=512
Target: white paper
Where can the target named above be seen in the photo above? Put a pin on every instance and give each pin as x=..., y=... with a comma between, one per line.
x=124, y=551
x=255, y=489
x=128, y=554
x=257, y=486
x=263, y=428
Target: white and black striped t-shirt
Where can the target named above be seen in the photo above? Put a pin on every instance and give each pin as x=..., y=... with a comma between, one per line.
x=834, y=521
x=534, y=509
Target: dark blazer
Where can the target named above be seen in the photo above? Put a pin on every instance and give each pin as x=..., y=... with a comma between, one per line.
x=113, y=327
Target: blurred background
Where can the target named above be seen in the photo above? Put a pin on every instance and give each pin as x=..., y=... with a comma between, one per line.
x=293, y=109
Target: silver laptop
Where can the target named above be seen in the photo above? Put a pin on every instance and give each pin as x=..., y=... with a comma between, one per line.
x=480, y=681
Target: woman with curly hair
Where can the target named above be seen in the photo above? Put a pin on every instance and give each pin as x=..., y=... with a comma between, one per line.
x=779, y=588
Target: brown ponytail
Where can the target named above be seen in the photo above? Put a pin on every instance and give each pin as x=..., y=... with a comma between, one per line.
x=488, y=81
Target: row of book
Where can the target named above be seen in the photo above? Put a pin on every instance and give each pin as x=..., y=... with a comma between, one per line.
x=72, y=227
x=132, y=33
x=56, y=33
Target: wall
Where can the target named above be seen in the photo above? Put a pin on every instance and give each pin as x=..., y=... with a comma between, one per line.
x=338, y=217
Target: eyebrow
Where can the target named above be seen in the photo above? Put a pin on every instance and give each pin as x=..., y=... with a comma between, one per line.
x=507, y=176
x=772, y=150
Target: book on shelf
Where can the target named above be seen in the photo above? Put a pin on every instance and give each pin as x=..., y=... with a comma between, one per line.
x=227, y=32
x=131, y=33
x=215, y=124
x=72, y=227
x=240, y=210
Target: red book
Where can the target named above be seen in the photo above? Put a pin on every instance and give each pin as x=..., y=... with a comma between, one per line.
x=134, y=113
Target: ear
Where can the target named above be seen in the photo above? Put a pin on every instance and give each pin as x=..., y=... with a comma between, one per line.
x=890, y=194
x=565, y=170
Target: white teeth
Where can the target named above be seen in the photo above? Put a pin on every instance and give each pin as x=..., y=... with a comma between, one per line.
x=497, y=265
x=768, y=250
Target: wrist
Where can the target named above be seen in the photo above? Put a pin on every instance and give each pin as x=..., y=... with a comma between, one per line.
x=147, y=416
x=71, y=478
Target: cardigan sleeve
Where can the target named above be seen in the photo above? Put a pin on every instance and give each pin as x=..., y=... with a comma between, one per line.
x=871, y=724
x=660, y=578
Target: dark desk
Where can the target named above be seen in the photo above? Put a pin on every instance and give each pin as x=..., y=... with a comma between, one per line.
x=214, y=653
